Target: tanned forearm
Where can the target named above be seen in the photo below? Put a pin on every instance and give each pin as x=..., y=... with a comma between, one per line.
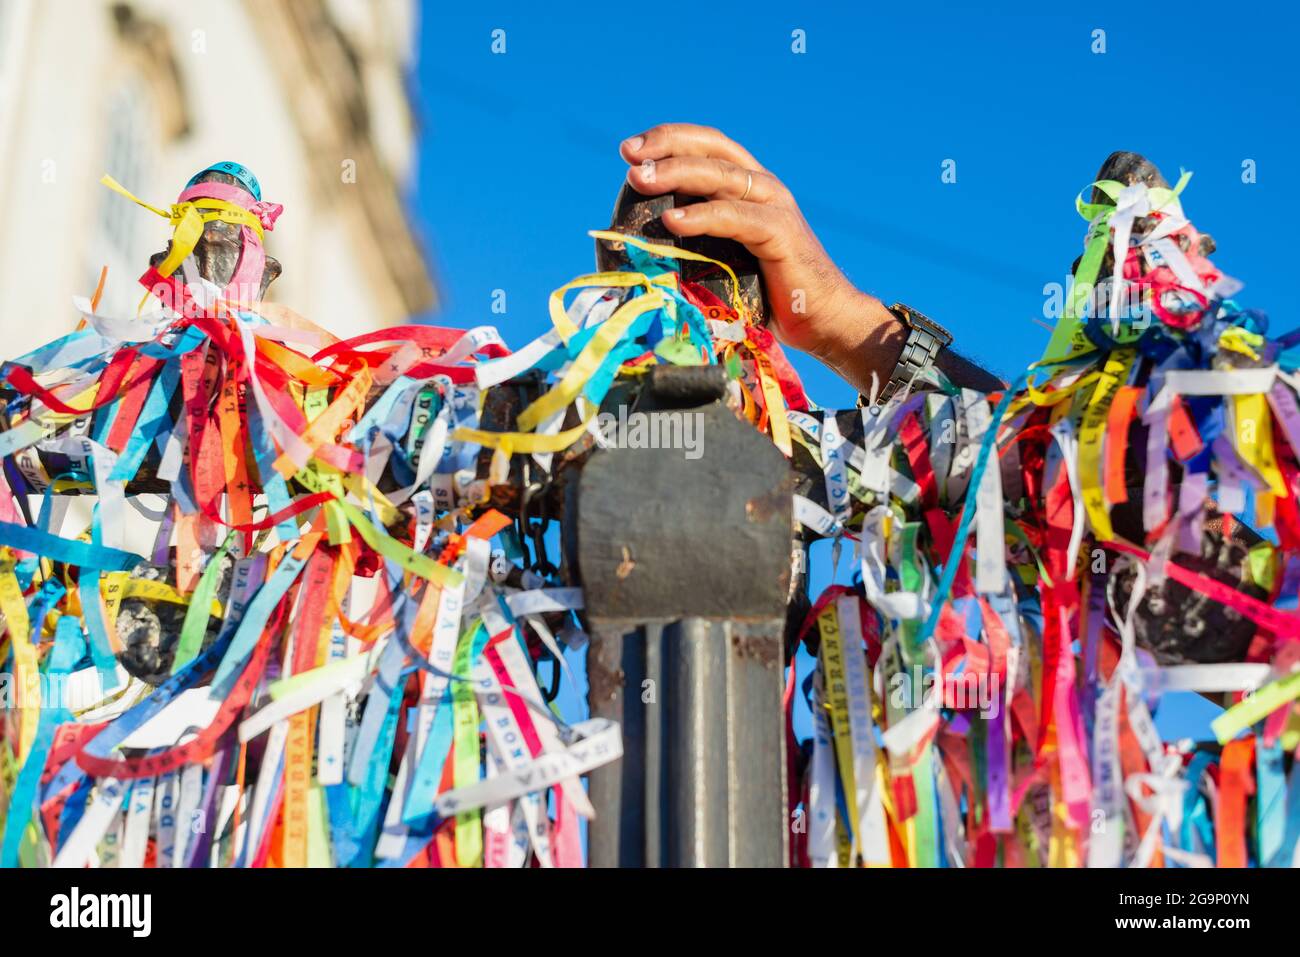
x=869, y=341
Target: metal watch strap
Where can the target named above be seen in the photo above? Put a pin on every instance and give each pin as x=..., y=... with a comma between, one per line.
x=924, y=340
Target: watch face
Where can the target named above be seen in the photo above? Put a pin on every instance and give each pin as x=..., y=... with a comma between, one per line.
x=925, y=323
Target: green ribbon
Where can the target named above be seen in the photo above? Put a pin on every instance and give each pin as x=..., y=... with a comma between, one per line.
x=195, y=625
x=1069, y=342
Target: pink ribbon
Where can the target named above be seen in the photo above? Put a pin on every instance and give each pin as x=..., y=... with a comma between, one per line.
x=252, y=258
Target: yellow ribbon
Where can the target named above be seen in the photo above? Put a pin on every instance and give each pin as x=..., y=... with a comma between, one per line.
x=1035, y=397
x=527, y=443
x=1239, y=340
x=672, y=252
x=187, y=222
x=776, y=411
x=26, y=666
x=1253, y=439
x=618, y=280
x=1091, y=434
x=1259, y=705
x=835, y=683
x=411, y=560
x=607, y=336
x=151, y=590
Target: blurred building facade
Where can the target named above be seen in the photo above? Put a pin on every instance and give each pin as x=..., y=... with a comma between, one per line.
x=309, y=94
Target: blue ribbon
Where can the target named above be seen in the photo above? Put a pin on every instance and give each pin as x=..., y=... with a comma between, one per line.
x=66, y=550
x=69, y=647
x=967, y=513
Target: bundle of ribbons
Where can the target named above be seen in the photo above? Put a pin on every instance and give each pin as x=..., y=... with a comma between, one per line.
x=1037, y=569
x=292, y=631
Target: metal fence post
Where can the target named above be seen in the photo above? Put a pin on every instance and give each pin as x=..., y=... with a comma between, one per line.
x=685, y=565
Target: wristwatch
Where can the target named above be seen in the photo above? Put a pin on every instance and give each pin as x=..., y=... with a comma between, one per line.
x=925, y=338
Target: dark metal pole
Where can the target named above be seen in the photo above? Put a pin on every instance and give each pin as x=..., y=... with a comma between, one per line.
x=685, y=565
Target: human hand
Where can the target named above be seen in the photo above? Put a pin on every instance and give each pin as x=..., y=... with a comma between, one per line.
x=814, y=307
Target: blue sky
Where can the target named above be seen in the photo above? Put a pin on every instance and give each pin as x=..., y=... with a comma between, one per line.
x=519, y=151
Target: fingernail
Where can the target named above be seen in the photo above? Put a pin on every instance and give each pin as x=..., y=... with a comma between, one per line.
x=676, y=214
x=634, y=143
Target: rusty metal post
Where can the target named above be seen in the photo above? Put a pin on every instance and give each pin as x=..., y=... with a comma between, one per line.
x=685, y=564
x=724, y=758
